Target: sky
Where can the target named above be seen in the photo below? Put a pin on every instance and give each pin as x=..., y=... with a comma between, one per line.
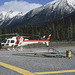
x=21, y=5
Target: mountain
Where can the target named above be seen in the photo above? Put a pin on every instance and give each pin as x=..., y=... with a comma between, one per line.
x=52, y=11
x=55, y=10
x=6, y=18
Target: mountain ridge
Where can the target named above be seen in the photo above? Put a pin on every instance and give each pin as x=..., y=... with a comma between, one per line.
x=52, y=11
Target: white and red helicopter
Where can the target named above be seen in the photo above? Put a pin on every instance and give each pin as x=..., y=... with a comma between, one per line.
x=19, y=41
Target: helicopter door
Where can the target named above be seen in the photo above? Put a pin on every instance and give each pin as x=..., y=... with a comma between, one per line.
x=21, y=40
x=8, y=41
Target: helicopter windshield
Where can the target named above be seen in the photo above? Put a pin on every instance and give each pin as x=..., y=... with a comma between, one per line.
x=4, y=41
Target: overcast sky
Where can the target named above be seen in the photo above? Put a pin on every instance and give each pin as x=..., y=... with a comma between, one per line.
x=21, y=5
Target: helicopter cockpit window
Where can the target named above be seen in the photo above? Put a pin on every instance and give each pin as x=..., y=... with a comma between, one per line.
x=8, y=41
x=4, y=41
x=12, y=41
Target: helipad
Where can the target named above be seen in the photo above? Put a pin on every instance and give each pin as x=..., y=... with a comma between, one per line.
x=28, y=64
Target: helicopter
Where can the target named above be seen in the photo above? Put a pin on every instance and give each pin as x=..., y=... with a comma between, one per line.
x=19, y=41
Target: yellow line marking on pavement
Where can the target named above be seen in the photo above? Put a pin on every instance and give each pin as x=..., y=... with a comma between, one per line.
x=19, y=70
x=55, y=72
x=24, y=72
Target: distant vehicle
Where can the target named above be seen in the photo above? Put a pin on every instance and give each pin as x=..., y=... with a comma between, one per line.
x=19, y=41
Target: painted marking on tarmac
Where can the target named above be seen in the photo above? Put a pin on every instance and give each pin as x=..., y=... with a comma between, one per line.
x=55, y=72
x=24, y=72
x=19, y=70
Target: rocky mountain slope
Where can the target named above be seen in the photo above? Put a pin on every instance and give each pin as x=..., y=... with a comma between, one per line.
x=52, y=11
x=55, y=10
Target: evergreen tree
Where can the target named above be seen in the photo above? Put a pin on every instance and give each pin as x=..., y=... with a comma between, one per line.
x=17, y=30
x=57, y=30
x=71, y=29
x=10, y=31
x=0, y=34
x=35, y=30
x=4, y=30
x=25, y=29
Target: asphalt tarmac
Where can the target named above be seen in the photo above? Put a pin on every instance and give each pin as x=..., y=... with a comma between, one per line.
x=37, y=62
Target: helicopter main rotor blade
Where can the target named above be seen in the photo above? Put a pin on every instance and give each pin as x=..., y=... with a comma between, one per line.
x=9, y=34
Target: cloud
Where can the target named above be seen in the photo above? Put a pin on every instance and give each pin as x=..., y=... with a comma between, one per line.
x=21, y=6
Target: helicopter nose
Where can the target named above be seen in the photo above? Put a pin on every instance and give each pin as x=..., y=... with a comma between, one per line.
x=0, y=46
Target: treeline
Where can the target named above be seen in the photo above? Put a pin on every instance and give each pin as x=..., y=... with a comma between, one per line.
x=60, y=30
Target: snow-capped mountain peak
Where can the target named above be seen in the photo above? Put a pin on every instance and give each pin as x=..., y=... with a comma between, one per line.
x=57, y=9
x=61, y=3
x=71, y=2
x=10, y=14
x=67, y=6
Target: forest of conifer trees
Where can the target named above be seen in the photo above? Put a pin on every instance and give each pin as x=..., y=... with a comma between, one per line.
x=60, y=30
